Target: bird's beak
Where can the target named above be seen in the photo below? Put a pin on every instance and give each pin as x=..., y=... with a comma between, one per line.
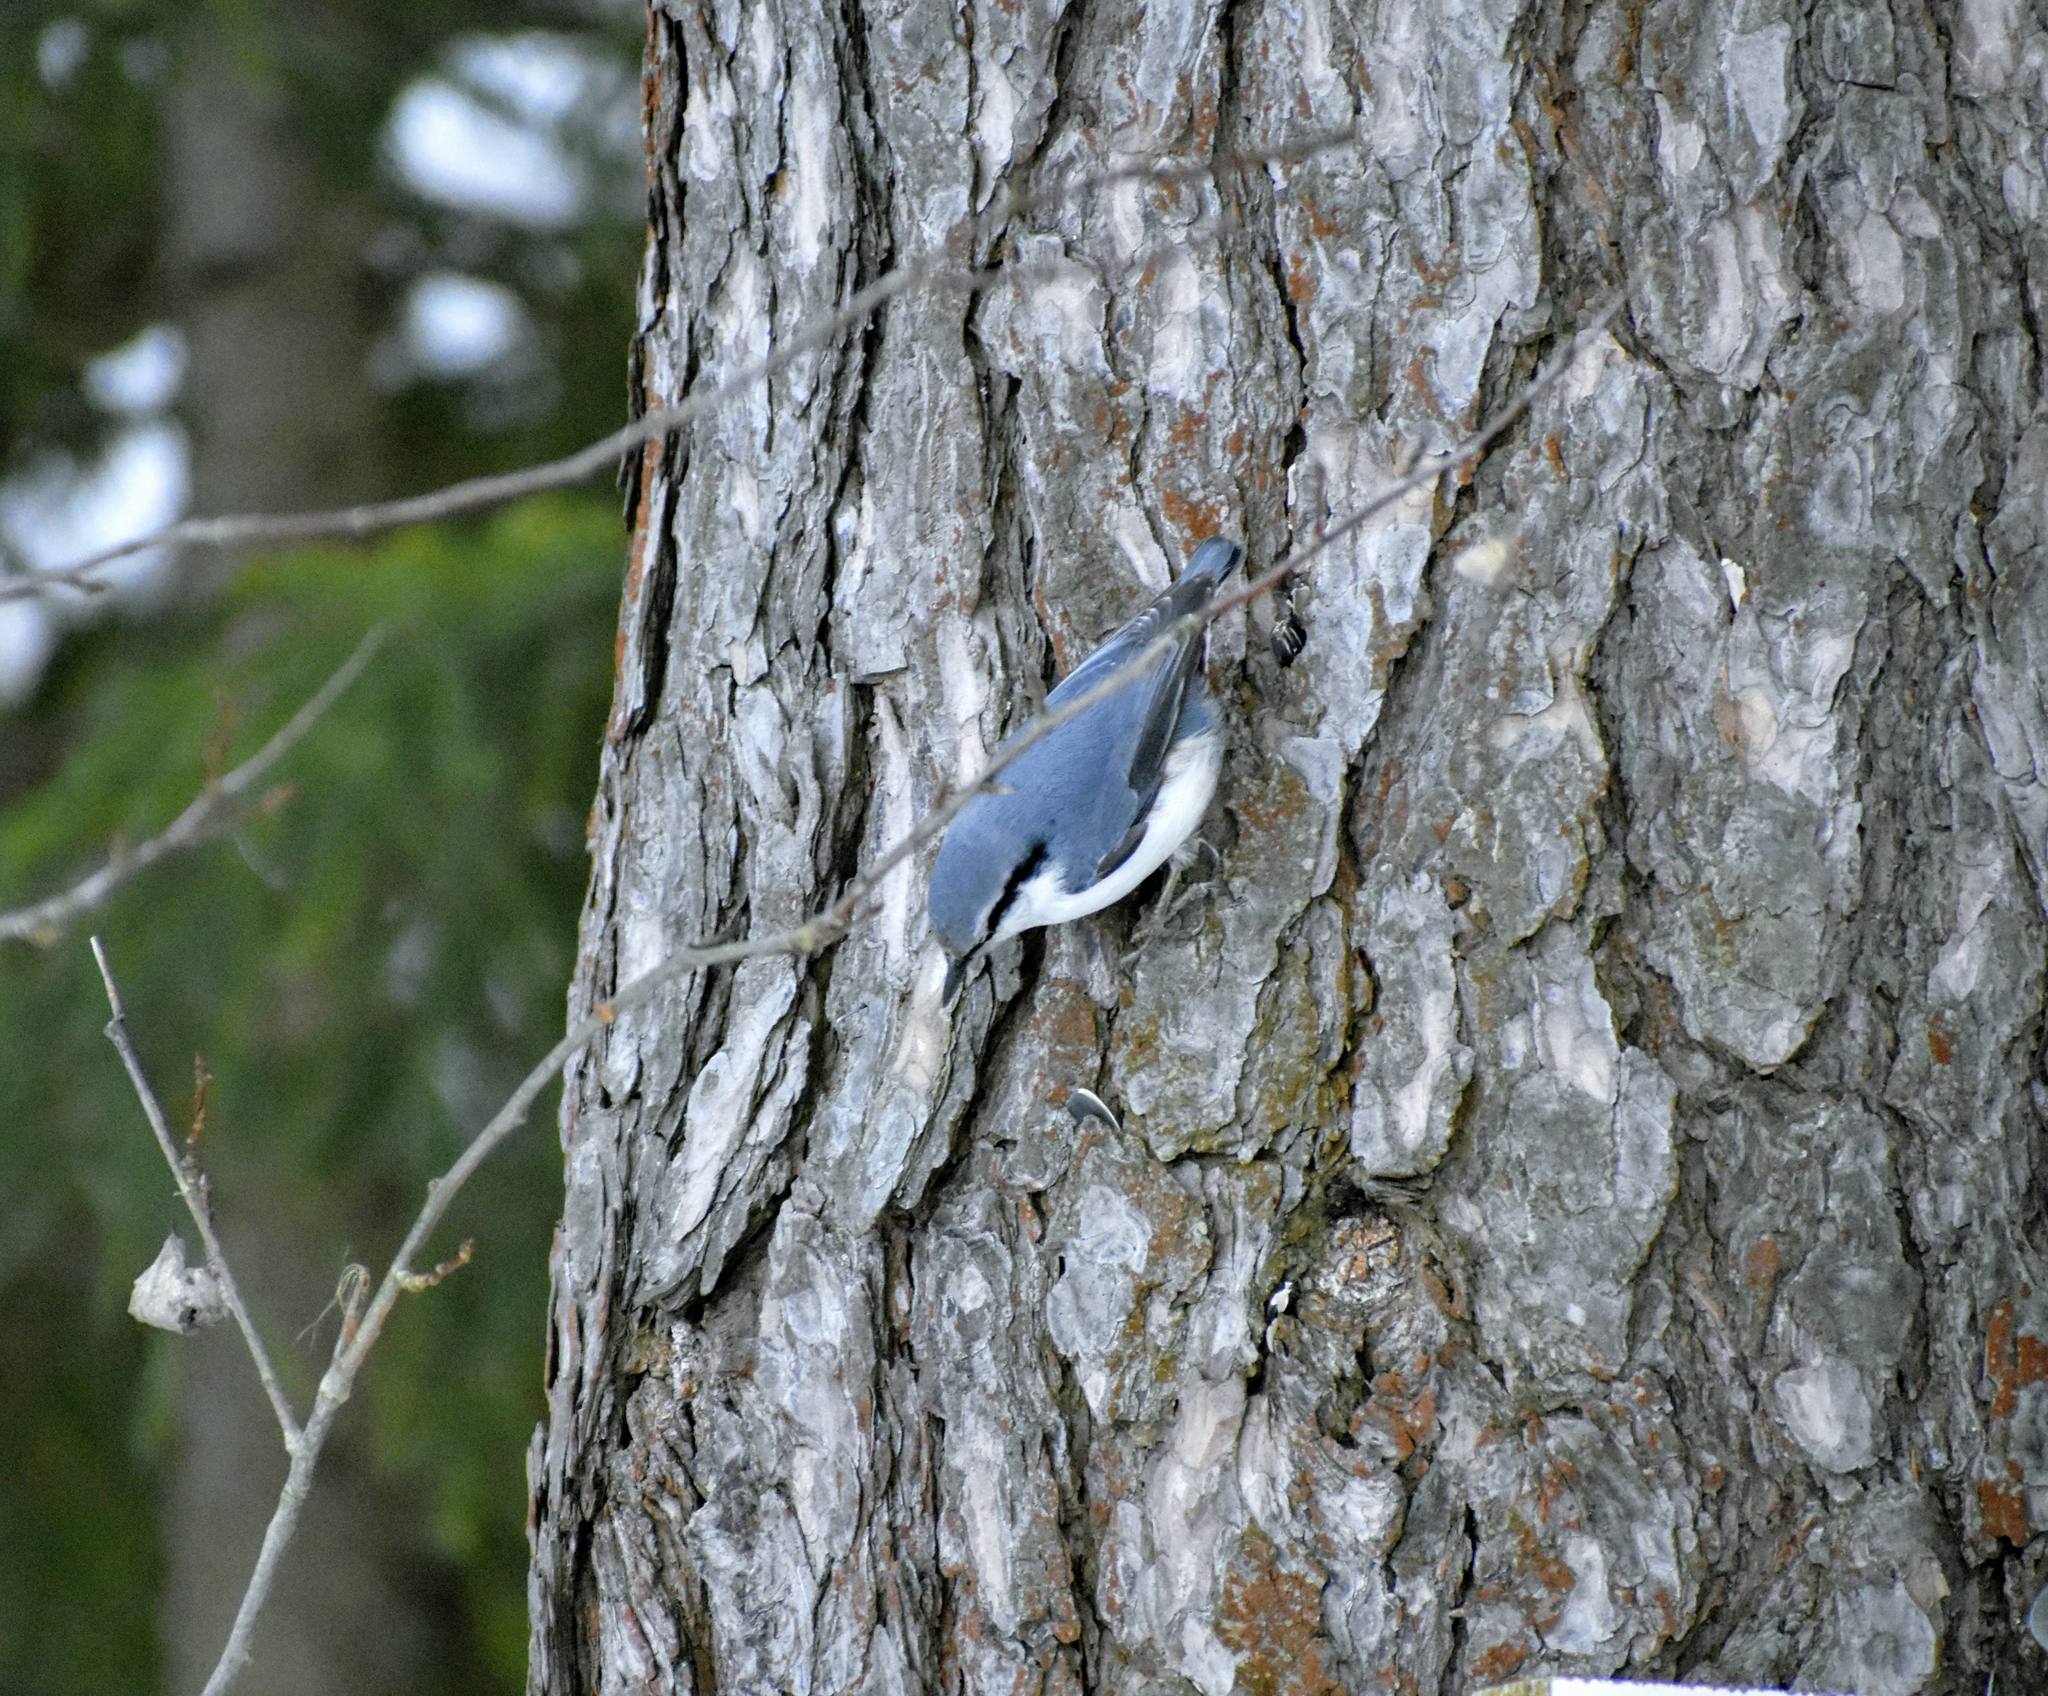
x=955, y=971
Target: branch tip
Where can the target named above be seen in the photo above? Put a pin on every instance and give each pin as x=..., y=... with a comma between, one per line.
x=414, y=1282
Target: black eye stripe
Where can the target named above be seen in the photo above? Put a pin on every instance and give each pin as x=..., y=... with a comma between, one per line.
x=1018, y=878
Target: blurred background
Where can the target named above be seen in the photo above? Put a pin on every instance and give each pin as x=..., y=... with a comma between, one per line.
x=265, y=257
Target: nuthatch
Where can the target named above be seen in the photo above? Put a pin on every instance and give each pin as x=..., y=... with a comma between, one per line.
x=1093, y=808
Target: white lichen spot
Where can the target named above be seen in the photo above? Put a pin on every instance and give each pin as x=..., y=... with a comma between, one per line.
x=1987, y=37
x=1461, y=339
x=762, y=739
x=1763, y=261
x=1168, y=48
x=738, y=311
x=721, y=1099
x=1567, y=718
x=1589, y=367
x=1754, y=65
x=1912, y=216
x=764, y=55
x=1135, y=541
x=964, y=688
x=967, y=1291
x=1483, y=562
x=1754, y=723
x=1738, y=583
x=1725, y=329
x=707, y=129
x=642, y=940
x=1680, y=141
x=1645, y=1160
x=743, y=495
x=1875, y=261
x=989, y=1533
x=804, y=180
x=1588, y=1618
x=1827, y=1412
x=1575, y=1027
x=1177, y=365
x=1312, y=61
x=1192, y=1486
x=1516, y=1042
x=1065, y=314
x=923, y=1044
x=1401, y=142
x=1434, y=1023
x=995, y=118
x=1126, y=220
x=1960, y=964
x=895, y=788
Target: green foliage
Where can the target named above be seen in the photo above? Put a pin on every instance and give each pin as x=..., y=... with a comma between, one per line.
x=73, y=1501
x=367, y=966
x=77, y=212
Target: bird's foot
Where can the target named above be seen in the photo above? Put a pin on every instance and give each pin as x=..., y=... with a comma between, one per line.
x=1173, y=899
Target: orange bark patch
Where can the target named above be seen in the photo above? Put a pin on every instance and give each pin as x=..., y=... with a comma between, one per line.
x=1320, y=224
x=1418, y=380
x=1443, y=271
x=636, y=558
x=1273, y=1619
x=1409, y=1422
x=1301, y=283
x=2033, y=1359
x=1278, y=812
x=1763, y=1263
x=2013, y=1359
x=1554, y=1485
x=1191, y=517
x=1941, y=1041
x=1999, y=1360
x=2004, y=1512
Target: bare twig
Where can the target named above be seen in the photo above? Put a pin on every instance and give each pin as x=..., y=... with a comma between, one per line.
x=418, y=1281
x=210, y=811
x=192, y=1186
x=939, y=270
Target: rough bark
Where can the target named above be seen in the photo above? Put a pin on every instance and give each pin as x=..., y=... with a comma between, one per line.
x=1578, y=1203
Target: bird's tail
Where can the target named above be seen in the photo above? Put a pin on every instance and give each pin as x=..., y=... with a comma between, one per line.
x=1209, y=564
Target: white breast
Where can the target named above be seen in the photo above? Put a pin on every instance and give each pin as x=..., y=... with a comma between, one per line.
x=1188, y=781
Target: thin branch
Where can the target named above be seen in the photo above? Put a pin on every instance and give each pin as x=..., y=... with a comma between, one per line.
x=934, y=270
x=210, y=811
x=820, y=931
x=192, y=1186
x=828, y=925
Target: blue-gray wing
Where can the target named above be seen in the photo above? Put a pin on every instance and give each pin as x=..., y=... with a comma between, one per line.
x=1141, y=720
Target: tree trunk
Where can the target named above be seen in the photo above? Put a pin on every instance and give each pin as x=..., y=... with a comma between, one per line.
x=280, y=413
x=1578, y=1202
x=264, y=273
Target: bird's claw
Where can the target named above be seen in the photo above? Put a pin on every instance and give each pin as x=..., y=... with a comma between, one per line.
x=1173, y=899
